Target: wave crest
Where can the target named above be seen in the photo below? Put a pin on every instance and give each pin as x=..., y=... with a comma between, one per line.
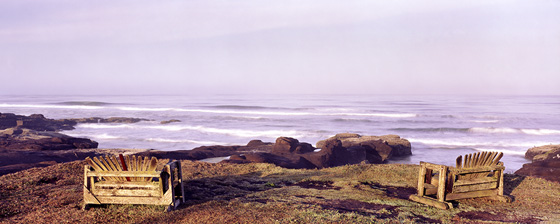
x=515, y=131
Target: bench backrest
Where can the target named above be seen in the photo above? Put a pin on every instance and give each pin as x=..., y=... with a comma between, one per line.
x=125, y=165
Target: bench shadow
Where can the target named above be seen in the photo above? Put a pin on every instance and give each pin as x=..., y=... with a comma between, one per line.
x=225, y=188
x=511, y=182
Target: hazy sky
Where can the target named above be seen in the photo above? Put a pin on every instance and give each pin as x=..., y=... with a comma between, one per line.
x=288, y=46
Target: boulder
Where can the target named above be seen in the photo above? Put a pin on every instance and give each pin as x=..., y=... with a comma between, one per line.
x=398, y=145
x=288, y=145
x=22, y=138
x=330, y=155
x=545, y=163
x=539, y=153
x=285, y=145
x=254, y=143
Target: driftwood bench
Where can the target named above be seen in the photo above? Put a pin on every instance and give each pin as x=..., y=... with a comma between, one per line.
x=477, y=175
x=132, y=180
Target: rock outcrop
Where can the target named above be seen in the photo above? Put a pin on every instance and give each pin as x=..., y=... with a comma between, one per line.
x=23, y=138
x=169, y=121
x=398, y=145
x=36, y=122
x=545, y=163
x=352, y=149
x=124, y=120
x=285, y=145
x=205, y=152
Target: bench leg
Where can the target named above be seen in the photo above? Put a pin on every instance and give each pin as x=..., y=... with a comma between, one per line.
x=430, y=201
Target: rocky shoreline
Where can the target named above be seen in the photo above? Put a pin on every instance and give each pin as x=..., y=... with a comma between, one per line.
x=34, y=141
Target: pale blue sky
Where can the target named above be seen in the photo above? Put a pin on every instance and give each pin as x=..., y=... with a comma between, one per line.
x=289, y=46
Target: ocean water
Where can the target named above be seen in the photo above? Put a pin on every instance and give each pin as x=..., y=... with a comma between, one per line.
x=440, y=128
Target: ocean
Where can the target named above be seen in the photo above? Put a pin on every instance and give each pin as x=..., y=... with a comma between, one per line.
x=440, y=128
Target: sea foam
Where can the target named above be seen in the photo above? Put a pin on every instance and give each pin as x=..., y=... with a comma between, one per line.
x=516, y=131
x=47, y=106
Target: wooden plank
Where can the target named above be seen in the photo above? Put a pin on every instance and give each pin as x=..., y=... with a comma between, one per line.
x=127, y=184
x=135, y=174
x=114, y=167
x=432, y=166
x=105, y=163
x=480, y=180
x=475, y=187
x=458, y=163
x=145, y=163
x=421, y=179
x=89, y=198
x=428, y=176
x=117, y=164
x=127, y=192
x=103, y=167
x=430, y=189
x=152, y=166
x=139, y=166
x=128, y=162
x=110, y=163
x=441, y=184
x=477, y=169
x=472, y=194
x=476, y=159
x=93, y=164
x=138, y=163
x=431, y=202
x=497, y=159
x=100, y=164
x=501, y=183
x=132, y=200
x=123, y=164
x=133, y=166
x=490, y=158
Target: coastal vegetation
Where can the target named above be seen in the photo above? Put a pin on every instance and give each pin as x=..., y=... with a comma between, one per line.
x=266, y=193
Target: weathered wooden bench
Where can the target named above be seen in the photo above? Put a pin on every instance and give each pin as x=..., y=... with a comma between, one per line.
x=132, y=180
x=477, y=175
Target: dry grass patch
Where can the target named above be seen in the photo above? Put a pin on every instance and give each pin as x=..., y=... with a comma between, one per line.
x=264, y=193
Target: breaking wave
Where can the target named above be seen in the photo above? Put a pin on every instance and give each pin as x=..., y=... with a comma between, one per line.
x=494, y=145
x=526, y=131
x=164, y=140
x=202, y=129
x=515, y=131
x=84, y=103
x=271, y=113
x=49, y=106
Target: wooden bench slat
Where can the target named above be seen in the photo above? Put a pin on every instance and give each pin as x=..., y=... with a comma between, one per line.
x=127, y=184
x=480, y=180
x=127, y=192
x=135, y=174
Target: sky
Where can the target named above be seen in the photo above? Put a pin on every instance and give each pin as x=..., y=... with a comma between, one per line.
x=280, y=47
